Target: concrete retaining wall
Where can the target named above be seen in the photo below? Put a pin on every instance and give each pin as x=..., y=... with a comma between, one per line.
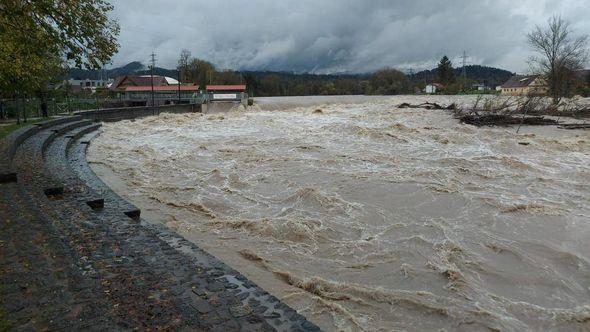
x=127, y=113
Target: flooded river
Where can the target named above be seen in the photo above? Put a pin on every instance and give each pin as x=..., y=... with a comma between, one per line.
x=366, y=217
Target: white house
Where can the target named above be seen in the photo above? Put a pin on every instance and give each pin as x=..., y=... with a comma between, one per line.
x=480, y=87
x=88, y=84
x=433, y=88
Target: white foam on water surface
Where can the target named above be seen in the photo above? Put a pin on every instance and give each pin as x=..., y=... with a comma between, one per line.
x=365, y=216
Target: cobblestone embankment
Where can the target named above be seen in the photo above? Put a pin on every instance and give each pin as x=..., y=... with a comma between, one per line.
x=74, y=255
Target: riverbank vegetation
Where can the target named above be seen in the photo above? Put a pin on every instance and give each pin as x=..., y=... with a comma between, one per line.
x=387, y=81
x=39, y=39
x=558, y=54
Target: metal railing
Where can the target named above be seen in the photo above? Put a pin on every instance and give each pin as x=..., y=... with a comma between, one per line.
x=28, y=108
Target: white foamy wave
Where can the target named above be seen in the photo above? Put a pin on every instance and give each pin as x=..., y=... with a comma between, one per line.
x=378, y=218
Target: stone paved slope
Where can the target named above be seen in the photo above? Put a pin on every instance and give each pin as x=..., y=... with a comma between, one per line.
x=72, y=259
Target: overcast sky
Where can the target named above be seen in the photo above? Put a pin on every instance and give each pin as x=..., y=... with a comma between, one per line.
x=332, y=36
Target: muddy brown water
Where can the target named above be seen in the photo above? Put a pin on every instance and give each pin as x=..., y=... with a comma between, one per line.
x=363, y=216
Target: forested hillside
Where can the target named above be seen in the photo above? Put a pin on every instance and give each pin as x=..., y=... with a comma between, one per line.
x=475, y=74
x=262, y=83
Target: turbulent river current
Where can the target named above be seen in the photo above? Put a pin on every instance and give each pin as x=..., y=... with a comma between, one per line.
x=366, y=217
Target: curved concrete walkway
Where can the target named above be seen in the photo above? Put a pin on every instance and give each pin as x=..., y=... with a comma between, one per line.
x=74, y=255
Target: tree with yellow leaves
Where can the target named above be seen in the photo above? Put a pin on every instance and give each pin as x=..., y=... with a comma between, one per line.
x=38, y=37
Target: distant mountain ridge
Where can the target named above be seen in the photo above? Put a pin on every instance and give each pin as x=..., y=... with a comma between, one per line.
x=480, y=74
x=133, y=68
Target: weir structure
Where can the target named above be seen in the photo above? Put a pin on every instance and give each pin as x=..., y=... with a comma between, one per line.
x=74, y=255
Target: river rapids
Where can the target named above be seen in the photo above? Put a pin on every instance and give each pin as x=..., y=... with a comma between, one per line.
x=366, y=217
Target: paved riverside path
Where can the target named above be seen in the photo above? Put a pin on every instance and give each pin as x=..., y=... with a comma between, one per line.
x=71, y=259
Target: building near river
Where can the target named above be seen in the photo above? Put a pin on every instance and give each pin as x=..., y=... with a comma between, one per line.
x=163, y=95
x=433, y=88
x=226, y=93
x=137, y=90
x=124, y=81
x=88, y=84
x=520, y=85
x=482, y=87
x=83, y=86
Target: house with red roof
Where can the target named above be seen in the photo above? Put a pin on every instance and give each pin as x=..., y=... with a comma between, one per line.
x=138, y=90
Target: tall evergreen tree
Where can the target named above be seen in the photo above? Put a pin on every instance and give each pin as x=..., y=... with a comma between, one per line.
x=446, y=73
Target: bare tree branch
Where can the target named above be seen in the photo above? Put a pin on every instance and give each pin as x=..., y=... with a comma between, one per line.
x=559, y=54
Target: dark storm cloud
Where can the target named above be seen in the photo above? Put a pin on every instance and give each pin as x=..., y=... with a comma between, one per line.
x=336, y=35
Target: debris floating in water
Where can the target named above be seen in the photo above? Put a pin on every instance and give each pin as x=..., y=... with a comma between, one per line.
x=428, y=106
x=505, y=120
x=575, y=126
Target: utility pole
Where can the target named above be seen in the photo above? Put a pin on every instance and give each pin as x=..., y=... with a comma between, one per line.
x=464, y=70
x=179, y=85
x=152, y=66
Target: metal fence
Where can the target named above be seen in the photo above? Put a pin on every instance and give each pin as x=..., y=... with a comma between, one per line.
x=25, y=108
x=28, y=108
x=162, y=98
